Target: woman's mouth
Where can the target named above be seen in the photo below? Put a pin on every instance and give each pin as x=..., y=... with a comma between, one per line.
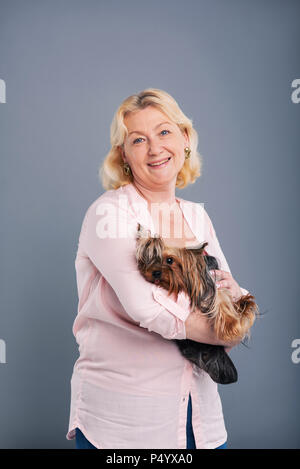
x=159, y=164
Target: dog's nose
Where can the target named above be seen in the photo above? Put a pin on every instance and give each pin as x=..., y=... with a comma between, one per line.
x=156, y=274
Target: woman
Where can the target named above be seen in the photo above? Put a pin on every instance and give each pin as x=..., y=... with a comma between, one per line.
x=131, y=387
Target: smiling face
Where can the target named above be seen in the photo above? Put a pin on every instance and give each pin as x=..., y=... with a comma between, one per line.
x=153, y=138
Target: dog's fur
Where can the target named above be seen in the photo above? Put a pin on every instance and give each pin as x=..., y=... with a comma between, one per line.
x=187, y=269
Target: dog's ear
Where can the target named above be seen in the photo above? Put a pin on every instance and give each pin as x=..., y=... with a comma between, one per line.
x=199, y=249
x=142, y=232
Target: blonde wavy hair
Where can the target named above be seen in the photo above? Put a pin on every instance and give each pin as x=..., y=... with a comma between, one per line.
x=111, y=172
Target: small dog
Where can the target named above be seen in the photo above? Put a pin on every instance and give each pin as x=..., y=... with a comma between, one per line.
x=187, y=270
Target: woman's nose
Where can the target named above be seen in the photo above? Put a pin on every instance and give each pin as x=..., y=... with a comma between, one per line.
x=155, y=147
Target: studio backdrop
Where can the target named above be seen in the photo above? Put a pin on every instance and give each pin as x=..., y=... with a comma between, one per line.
x=65, y=67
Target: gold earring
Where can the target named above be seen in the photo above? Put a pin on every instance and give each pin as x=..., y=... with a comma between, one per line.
x=187, y=151
x=126, y=169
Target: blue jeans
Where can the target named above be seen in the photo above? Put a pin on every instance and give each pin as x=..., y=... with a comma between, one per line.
x=190, y=440
x=83, y=443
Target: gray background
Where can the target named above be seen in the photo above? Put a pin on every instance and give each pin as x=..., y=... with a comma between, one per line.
x=67, y=67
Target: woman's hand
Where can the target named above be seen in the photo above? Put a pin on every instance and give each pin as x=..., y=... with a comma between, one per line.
x=225, y=280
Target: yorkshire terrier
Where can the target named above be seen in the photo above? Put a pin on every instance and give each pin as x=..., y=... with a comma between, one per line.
x=187, y=270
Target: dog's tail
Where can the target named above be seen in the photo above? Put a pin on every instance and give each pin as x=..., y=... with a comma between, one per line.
x=233, y=320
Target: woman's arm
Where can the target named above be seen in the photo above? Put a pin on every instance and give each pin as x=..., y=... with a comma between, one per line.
x=199, y=329
x=104, y=240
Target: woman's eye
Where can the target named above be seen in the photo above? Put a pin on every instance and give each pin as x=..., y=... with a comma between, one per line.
x=140, y=138
x=136, y=140
x=169, y=260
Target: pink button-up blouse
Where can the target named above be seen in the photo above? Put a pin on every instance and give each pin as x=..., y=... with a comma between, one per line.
x=130, y=383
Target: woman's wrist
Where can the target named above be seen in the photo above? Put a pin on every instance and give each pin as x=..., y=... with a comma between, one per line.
x=199, y=329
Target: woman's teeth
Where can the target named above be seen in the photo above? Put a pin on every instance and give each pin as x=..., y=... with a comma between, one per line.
x=160, y=163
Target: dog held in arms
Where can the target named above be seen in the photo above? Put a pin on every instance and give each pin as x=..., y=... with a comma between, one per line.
x=187, y=270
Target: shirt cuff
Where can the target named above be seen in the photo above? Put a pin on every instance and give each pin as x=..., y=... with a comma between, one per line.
x=180, y=308
x=171, y=322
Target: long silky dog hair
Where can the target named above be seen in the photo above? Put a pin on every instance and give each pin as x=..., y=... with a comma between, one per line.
x=187, y=269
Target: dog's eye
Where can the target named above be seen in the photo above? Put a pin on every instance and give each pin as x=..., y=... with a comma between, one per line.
x=169, y=260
